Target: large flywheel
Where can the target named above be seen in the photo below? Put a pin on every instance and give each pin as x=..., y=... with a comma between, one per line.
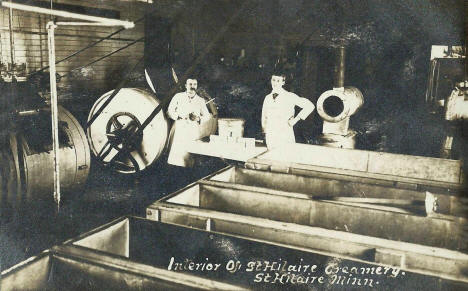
x=114, y=137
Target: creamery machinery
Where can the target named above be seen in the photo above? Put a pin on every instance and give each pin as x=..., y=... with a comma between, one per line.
x=36, y=131
x=447, y=92
x=27, y=167
x=128, y=131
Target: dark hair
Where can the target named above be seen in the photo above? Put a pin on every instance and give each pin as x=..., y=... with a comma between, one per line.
x=190, y=78
x=279, y=74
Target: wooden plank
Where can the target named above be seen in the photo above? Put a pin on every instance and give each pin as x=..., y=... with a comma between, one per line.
x=403, y=182
x=230, y=152
x=433, y=169
x=319, y=156
x=260, y=205
x=366, y=163
x=113, y=239
x=31, y=274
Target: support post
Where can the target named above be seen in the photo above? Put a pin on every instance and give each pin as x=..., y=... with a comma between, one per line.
x=54, y=110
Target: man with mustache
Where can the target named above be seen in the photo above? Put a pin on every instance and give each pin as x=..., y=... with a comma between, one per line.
x=188, y=110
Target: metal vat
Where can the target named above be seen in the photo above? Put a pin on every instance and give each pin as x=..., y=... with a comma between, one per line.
x=138, y=254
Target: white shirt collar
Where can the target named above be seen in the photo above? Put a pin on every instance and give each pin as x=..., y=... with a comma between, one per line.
x=279, y=92
x=188, y=96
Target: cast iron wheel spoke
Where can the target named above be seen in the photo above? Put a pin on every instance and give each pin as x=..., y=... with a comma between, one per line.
x=116, y=123
x=134, y=162
x=104, y=152
x=121, y=156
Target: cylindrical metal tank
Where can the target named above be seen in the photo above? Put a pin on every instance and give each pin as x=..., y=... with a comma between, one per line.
x=37, y=167
x=120, y=119
x=337, y=104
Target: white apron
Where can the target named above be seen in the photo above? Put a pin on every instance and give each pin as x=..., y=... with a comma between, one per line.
x=183, y=132
x=276, y=114
x=278, y=132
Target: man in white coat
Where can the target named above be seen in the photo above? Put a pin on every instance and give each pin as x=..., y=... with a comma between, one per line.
x=188, y=110
x=278, y=112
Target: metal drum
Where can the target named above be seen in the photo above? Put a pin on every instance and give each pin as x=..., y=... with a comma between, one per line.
x=115, y=127
x=38, y=165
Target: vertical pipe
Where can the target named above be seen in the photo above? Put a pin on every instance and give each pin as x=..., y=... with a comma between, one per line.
x=12, y=41
x=40, y=42
x=340, y=67
x=54, y=109
x=466, y=49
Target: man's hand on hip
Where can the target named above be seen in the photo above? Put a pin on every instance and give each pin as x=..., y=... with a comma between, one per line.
x=292, y=121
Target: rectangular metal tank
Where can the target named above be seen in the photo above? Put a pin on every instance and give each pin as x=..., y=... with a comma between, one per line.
x=138, y=254
x=126, y=254
x=343, y=188
x=378, y=236
x=73, y=269
x=405, y=171
x=375, y=220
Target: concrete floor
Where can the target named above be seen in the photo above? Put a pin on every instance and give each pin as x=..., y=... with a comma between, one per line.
x=38, y=226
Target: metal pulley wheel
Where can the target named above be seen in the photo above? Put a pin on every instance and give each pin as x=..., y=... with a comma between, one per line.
x=36, y=163
x=112, y=136
x=211, y=125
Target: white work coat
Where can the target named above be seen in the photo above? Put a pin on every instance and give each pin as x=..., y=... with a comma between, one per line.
x=276, y=113
x=184, y=130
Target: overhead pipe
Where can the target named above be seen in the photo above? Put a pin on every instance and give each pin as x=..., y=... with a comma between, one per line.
x=35, y=9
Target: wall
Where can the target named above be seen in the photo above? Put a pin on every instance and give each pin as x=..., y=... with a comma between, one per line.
x=388, y=49
x=30, y=45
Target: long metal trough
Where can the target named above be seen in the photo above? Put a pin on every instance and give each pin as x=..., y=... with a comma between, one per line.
x=281, y=222
x=127, y=254
x=414, y=222
x=138, y=254
x=375, y=220
x=332, y=186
